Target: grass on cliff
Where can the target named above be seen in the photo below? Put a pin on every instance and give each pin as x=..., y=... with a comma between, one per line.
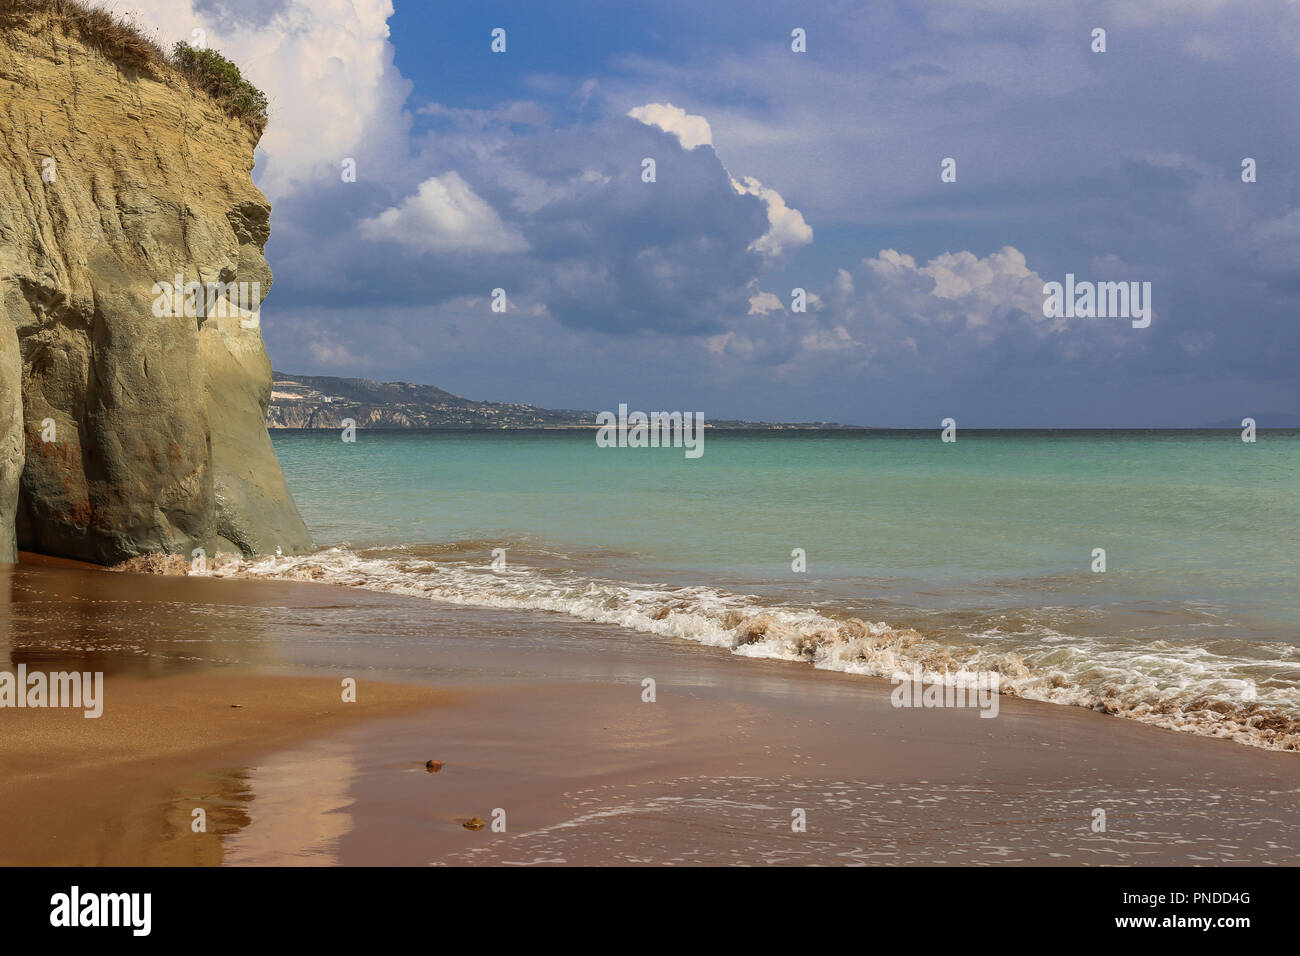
x=209, y=71
x=125, y=43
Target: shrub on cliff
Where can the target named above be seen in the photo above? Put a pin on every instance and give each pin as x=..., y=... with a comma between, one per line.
x=211, y=72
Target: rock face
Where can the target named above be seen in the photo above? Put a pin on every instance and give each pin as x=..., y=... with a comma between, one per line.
x=128, y=426
x=11, y=436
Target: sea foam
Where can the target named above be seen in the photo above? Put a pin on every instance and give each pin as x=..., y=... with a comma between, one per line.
x=1252, y=698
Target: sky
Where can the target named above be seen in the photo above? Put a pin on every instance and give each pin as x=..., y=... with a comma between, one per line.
x=777, y=170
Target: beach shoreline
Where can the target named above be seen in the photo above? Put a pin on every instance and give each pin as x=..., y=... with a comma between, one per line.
x=583, y=768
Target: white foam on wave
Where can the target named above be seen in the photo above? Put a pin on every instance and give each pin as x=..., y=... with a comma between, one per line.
x=1253, y=699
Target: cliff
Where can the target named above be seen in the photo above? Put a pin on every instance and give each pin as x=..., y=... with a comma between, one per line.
x=129, y=423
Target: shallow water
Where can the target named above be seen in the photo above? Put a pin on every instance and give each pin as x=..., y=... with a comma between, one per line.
x=972, y=555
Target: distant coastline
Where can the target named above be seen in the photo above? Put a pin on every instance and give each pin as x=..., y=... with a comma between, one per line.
x=322, y=402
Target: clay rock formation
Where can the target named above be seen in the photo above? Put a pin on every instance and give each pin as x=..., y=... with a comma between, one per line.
x=124, y=431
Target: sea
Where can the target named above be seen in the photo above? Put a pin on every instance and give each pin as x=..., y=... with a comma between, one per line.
x=1148, y=574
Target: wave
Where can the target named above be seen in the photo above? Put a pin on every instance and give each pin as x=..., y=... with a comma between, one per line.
x=1246, y=691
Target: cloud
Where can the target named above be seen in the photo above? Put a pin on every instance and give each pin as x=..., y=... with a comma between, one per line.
x=658, y=286
x=444, y=216
x=959, y=288
x=958, y=311
x=521, y=112
x=326, y=350
x=788, y=230
x=559, y=217
x=585, y=92
x=892, y=305
x=691, y=131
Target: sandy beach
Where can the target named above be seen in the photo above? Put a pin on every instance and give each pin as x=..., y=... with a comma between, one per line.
x=647, y=435
x=554, y=748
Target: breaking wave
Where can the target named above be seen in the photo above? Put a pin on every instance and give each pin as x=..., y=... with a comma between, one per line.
x=1247, y=691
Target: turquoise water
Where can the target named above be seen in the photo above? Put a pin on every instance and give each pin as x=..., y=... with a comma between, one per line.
x=971, y=554
x=1193, y=516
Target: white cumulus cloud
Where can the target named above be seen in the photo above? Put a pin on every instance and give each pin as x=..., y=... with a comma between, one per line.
x=786, y=226
x=765, y=302
x=445, y=215
x=958, y=287
x=691, y=130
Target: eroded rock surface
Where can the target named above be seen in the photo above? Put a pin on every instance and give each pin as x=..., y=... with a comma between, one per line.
x=136, y=433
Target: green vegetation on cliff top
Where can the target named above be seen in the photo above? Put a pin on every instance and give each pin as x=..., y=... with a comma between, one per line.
x=124, y=42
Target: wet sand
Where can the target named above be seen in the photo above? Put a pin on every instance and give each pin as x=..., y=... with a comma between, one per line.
x=121, y=789
x=542, y=729
x=589, y=774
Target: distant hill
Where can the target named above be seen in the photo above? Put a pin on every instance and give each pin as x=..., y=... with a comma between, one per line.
x=323, y=402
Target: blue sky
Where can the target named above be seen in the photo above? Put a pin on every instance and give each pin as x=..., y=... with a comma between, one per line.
x=775, y=170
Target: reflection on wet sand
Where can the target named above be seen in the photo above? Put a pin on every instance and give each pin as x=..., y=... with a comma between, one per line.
x=299, y=810
x=58, y=615
x=159, y=827
x=290, y=810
